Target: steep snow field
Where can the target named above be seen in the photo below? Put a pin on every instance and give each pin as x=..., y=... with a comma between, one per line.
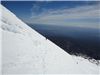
x=25, y=51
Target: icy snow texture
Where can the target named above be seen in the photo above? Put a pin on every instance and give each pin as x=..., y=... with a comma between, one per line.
x=25, y=51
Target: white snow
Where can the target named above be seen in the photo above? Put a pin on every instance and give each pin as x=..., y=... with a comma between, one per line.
x=25, y=51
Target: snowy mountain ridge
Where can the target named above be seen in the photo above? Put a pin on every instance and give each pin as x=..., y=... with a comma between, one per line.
x=25, y=51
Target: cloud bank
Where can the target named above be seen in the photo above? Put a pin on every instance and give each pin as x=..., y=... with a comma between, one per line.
x=83, y=16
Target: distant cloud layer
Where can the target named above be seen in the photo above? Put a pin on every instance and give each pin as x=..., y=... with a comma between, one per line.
x=83, y=16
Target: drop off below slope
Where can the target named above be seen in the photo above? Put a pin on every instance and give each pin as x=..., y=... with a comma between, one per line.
x=25, y=51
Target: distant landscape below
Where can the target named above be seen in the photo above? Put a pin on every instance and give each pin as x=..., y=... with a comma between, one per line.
x=74, y=40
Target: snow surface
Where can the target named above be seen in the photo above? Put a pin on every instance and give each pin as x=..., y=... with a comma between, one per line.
x=25, y=51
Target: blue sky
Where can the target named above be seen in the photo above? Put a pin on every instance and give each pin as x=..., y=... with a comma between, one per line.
x=67, y=13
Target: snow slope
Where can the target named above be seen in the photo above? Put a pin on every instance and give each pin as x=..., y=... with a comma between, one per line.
x=25, y=51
